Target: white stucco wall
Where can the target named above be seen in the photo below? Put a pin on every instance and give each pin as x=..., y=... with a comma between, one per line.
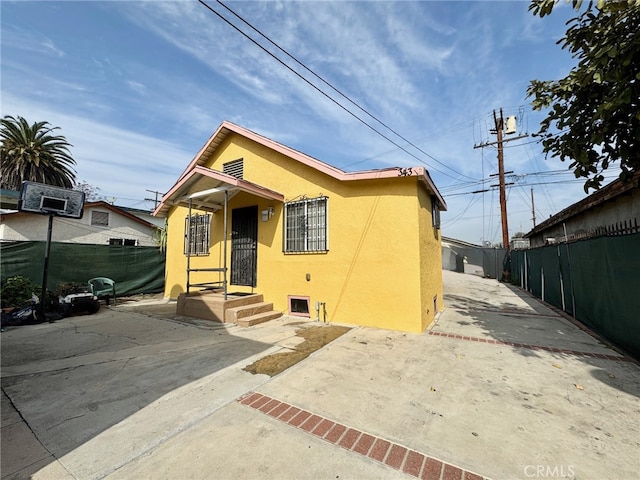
x=25, y=226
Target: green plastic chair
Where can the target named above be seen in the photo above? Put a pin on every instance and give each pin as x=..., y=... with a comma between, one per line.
x=103, y=287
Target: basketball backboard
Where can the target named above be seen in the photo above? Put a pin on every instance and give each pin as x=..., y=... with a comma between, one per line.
x=50, y=200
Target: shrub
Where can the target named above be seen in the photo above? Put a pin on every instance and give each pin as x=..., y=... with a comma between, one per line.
x=64, y=289
x=16, y=291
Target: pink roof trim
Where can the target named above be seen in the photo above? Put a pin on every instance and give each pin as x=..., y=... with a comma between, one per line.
x=226, y=127
x=199, y=171
x=243, y=185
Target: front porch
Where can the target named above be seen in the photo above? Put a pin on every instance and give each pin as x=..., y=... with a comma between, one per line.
x=240, y=309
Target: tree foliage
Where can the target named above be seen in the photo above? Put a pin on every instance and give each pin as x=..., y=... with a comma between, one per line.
x=34, y=153
x=594, y=112
x=91, y=192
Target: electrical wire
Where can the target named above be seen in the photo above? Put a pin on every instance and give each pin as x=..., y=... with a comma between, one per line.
x=329, y=97
x=452, y=221
x=577, y=180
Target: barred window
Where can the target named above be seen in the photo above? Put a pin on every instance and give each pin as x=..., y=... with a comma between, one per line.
x=100, y=219
x=435, y=212
x=305, y=228
x=196, y=234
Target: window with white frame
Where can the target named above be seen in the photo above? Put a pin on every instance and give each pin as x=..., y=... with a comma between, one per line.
x=305, y=226
x=196, y=234
x=127, y=242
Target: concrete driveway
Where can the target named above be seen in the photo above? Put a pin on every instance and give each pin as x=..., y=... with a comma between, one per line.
x=501, y=387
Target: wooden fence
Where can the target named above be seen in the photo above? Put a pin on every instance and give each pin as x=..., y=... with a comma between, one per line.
x=626, y=227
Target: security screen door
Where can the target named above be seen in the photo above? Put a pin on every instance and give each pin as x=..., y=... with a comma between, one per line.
x=244, y=246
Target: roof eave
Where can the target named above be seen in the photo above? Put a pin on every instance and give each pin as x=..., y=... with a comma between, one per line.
x=180, y=192
x=226, y=127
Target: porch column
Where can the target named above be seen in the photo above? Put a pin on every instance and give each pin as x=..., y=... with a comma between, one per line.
x=189, y=245
x=226, y=204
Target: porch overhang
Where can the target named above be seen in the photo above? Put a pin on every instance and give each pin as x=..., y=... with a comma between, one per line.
x=204, y=189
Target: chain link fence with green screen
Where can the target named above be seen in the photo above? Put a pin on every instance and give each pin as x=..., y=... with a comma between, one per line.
x=134, y=269
x=597, y=281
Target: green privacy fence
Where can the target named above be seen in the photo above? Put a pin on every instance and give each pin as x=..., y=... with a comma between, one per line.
x=134, y=269
x=597, y=281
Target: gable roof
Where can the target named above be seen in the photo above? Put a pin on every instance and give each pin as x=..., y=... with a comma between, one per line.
x=607, y=193
x=119, y=211
x=226, y=128
x=98, y=204
x=447, y=240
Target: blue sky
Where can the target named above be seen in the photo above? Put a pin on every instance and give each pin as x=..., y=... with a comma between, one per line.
x=138, y=88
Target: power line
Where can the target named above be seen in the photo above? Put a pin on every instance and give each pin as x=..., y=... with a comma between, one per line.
x=438, y=133
x=458, y=186
x=577, y=180
x=453, y=220
x=331, y=86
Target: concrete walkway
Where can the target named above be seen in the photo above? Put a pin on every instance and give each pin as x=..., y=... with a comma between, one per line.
x=501, y=387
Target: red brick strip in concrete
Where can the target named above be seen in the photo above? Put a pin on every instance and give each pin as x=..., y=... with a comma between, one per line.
x=413, y=464
x=379, y=450
x=533, y=347
x=396, y=456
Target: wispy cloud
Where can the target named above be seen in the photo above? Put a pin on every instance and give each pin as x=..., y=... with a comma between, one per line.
x=120, y=162
x=137, y=87
x=140, y=104
x=51, y=47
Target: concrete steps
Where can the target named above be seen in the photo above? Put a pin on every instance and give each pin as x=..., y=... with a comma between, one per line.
x=258, y=318
x=245, y=310
x=251, y=314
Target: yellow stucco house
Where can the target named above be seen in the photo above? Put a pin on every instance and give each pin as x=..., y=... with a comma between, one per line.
x=252, y=220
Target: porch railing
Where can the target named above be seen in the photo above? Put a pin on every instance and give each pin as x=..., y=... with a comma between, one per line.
x=222, y=269
x=219, y=283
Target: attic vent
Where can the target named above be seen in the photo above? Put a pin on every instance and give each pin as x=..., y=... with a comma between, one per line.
x=234, y=168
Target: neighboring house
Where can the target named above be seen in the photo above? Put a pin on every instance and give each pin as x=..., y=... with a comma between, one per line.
x=519, y=243
x=463, y=257
x=9, y=200
x=101, y=224
x=259, y=217
x=614, y=209
x=145, y=215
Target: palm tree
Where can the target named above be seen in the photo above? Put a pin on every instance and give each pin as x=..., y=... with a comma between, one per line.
x=33, y=153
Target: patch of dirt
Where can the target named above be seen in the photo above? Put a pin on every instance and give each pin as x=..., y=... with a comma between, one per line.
x=140, y=296
x=314, y=339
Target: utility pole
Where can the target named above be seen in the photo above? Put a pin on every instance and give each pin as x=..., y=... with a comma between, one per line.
x=499, y=123
x=533, y=209
x=155, y=201
x=498, y=131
